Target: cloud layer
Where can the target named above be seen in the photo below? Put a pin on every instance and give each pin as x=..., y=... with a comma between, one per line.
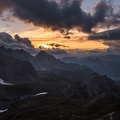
x=62, y=16
x=17, y=42
x=110, y=38
x=56, y=45
x=113, y=34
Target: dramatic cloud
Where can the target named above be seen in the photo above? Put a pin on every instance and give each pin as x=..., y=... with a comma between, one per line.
x=17, y=42
x=7, y=41
x=52, y=46
x=106, y=35
x=56, y=45
x=111, y=38
x=114, y=46
x=69, y=33
x=67, y=37
x=101, y=10
x=62, y=16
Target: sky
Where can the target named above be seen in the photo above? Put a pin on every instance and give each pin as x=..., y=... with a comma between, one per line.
x=63, y=24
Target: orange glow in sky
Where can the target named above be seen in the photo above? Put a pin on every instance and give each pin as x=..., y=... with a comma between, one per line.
x=43, y=37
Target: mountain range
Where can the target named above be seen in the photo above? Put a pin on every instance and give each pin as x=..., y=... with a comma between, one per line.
x=66, y=84
x=104, y=64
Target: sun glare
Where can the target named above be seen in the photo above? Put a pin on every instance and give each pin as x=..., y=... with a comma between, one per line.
x=44, y=46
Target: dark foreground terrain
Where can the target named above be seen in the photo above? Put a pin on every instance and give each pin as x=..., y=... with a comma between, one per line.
x=56, y=107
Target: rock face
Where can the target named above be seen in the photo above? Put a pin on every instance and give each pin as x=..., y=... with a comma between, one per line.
x=93, y=85
x=12, y=93
x=97, y=84
x=15, y=71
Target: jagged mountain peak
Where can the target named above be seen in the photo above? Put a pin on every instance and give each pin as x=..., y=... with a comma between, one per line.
x=6, y=51
x=43, y=54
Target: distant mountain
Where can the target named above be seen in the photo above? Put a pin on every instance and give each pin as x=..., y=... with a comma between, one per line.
x=49, y=62
x=105, y=64
x=41, y=62
x=97, y=84
x=69, y=59
x=69, y=74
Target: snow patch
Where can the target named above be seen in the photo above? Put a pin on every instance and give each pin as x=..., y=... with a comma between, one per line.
x=44, y=93
x=43, y=69
x=4, y=83
x=2, y=111
x=110, y=115
x=29, y=96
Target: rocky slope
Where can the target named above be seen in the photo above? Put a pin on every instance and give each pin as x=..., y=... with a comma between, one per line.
x=15, y=71
x=56, y=107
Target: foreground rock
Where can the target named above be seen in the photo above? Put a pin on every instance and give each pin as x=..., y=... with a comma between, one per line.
x=56, y=107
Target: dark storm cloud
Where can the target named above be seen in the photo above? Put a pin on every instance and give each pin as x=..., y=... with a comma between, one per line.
x=63, y=16
x=101, y=10
x=106, y=35
x=111, y=38
x=67, y=37
x=4, y=5
x=17, y=42
x=114, y=45
x=49, y=14
x=69, y=33
x=24, y=41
